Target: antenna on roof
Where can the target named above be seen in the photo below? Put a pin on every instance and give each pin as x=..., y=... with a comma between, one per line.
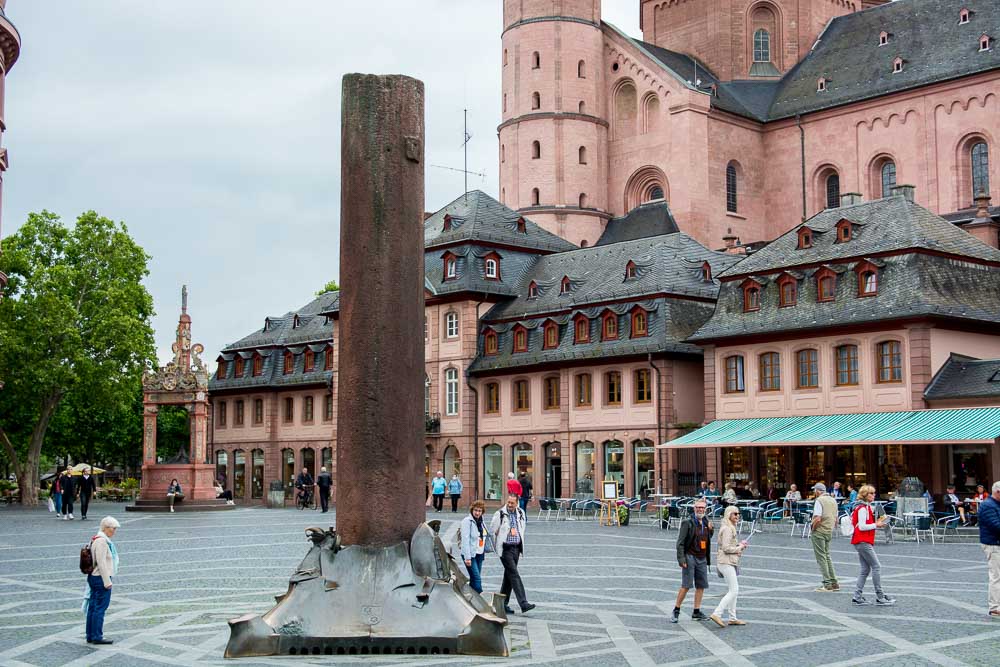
x=466, y=137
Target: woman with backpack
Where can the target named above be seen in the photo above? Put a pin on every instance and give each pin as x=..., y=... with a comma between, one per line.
x=474, y=533
x=104, y=565
x=863, y=538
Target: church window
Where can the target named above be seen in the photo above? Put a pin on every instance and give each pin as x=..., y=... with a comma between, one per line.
x=536, y=101
x=581, y=70
x=980, y=155
x=655, y=192
x=731, y=206
x=762, y=46
x=583, y=200
x=536, y=150
x=833, y=190
x=535, y=197
x=888, y=173
x=583, y=154
x=536, y=60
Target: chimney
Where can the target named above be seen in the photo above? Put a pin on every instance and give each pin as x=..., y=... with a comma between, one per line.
x=851, y=198
x=905, y=191
x=732, y=243
x=983, y=206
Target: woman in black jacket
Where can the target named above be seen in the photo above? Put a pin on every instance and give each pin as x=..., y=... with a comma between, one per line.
x=68, y=486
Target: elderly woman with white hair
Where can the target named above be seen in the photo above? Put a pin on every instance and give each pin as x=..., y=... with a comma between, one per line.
x=98, y=597
x=727, y=561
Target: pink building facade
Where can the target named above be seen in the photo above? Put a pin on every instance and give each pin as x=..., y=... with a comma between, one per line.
x=10, y=49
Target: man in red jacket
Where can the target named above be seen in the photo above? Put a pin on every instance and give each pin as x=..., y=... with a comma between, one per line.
x=513, y=486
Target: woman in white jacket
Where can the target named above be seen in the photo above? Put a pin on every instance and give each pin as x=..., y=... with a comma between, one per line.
x=473, y=533
x=727, y=560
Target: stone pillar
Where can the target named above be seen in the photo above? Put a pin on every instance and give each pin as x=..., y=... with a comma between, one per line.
x=199, y=429
x=379, y=412
x=149, y=435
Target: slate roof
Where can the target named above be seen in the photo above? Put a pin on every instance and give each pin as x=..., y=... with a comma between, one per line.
x=965, y=377
x=649, y=219
x=909, y=284
x=312, y=330
x=925, y=33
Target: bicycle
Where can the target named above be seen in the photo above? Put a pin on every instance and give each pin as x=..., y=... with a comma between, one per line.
x=305, y=498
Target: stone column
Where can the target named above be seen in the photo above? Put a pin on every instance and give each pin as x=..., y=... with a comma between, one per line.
x=380, y=499
x=149, y=435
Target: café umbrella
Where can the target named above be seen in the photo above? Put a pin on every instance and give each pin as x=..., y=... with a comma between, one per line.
x=80, y=467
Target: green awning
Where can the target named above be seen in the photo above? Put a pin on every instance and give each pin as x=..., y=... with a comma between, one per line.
x=916, y=427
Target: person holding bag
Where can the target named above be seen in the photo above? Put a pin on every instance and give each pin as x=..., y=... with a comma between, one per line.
x=99, y=580
x=863, y=539
x=474, y=535
x=727, y=562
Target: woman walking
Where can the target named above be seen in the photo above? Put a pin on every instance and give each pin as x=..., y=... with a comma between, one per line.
x=99, y=580
x=174, y=492
x=455, y=491
x=863, y=540
x=473, y=532
x=55, y=492
x=727, y=560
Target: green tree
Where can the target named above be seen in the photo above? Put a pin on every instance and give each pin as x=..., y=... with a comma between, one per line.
x=74, y=328
x=331, y=286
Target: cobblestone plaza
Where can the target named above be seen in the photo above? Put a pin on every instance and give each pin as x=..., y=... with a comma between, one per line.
x=603, y=596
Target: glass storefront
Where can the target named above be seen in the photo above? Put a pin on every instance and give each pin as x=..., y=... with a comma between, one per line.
x=222, y=467
x=584, y=484
x=813, y=468
x=970, y=466
x=773, y=470
x=239, y=473
x=309, y=461
x=849, y=466
x=553, y=470
x=493, y=475
x=257, y=474
x=452, y=462
x=644, y=453
x=288, y=470
x=523, y=460
x=614, y=463
x=736, y=466
x=326, y=458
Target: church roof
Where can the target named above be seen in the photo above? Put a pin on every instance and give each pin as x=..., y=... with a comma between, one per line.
x=649, y=219
x=926, y=34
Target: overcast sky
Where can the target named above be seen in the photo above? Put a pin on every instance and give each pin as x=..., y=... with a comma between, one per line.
x=212, y=129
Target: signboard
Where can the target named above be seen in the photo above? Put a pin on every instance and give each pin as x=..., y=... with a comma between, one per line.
x=609, y=490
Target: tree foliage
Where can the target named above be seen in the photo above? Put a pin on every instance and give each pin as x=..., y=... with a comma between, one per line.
x=75, y=338
x=331, y=286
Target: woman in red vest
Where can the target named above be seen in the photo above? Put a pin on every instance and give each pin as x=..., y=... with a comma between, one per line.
x=863, y=540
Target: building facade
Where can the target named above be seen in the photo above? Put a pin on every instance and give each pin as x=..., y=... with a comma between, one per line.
x=10, y=49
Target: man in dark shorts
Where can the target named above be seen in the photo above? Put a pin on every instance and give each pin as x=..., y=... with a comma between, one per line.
x=694, y=555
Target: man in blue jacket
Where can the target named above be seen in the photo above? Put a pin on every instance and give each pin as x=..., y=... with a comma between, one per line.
x=989, y=537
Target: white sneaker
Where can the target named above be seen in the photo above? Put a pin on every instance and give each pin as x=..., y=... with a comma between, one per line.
x=71, y=515
x=171, y=509
x=63, y=517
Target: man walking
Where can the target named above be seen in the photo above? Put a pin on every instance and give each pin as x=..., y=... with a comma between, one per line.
x=525, y=483
x=694, y=549
x=324, y=482
x=989, y=538
x=68, y=493
x=823, y=523
x=507, y=528
x=438, y=486
x=87, y=488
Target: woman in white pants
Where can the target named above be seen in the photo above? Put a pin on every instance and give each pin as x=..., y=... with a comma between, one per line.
x=726, y=561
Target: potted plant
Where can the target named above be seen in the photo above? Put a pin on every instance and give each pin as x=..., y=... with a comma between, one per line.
x=664, y=516
x=130, y=486
x=623, y=514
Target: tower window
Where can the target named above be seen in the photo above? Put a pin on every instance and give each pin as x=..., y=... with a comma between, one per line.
x=536, y=150
x=536, y=60
x=505, y=57
x=583, y=154
x=762, y=46
x=731, y=204
x=980, y=155
x=534, y=197
x=581, y=70
x=536, y=101
x=888, y=174
x=583, y=200
x=582, y=108
x=833, y=190
x=505, y=102
x=655, y=192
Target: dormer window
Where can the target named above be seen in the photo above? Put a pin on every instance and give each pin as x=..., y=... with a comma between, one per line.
x=631, y=273
x=450, y=266
x=220, y=372
x=706, y=272
x=826, y=286
x=751, y=296
x=491, y=266
x=520, y=339
x=821, y=85
x=328, y=357
x=532, y=290
x=447, y=222
x=522, y=226
x=805, y=238
x=897, y=65
x=883, y=38
x=295, y=322
x=491, y=342
x=288, y=364
x=963, y=16
x=564, y=286
x=308, y=361
x=609, y=326
x=581, y=329
x=788, y=291
x=984, y=43
x=258, y=365
x=844, y=231
x=238, y=371
x=551, y=339
x=867, y=279
x=640, y=322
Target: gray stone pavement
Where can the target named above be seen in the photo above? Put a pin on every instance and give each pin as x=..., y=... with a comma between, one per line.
x=603, y=596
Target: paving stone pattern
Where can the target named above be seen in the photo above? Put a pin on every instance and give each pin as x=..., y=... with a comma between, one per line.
x=603, y=596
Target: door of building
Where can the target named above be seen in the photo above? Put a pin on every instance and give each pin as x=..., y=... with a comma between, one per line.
x=553, y=476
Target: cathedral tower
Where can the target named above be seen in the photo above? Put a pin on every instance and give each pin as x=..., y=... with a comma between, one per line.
x=554, y=135
x=10, y=49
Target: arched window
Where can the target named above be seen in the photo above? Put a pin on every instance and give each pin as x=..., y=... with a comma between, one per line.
x=609, y=326
x=222, y=466
x=583, y=200
x=631, y=271
x=826, y=285
x=581, y=329
x=328, y=358
x=625, y=108
x=751, y=296
x=491, y=342
x=980, y=156
x=257, y=473
x=535, y=198
x=650, y=113
x=581, y=70
x=258, y=365
x=308, y=361
x=565, y=285
x=520, y=339
x=867, y=283
x=833, y=190
x=532, y=290
x=536, y=150
x=491, y=268
x=770, y=371
x=847, y=365
x=655, y=193
x=536, y=101
x=762, y=46
x=640, y=323
x=239, y=474
x=582, y=108
x=536, y=60
x=734, y=374
x=787, y=291
x=451, y=391
x=450, y=267
x=888, y=174
x=493, y=472
x=731, y=204
x=583, y=154
x=289, y=363
x=551, y=335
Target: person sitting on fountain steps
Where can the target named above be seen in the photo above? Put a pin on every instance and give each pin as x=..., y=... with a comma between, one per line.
x=507, y=528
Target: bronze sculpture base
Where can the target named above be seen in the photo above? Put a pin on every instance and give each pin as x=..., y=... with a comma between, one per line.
x=405, y=599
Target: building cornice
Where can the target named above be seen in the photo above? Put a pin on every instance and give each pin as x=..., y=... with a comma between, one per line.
x=553, y=115
x=546, y=19
x=574, y=210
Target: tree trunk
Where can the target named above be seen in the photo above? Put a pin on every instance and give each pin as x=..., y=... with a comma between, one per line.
x=28, y=479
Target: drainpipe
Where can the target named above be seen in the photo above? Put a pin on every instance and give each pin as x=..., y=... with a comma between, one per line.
x=659, y=412
x=802, y=157
x=475, y=416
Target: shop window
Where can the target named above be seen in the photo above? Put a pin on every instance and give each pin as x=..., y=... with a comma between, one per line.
x=257, y=473
x=494, y=475
x=584, y=468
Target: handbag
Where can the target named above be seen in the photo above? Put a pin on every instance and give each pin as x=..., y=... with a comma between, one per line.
x=52, y=505
x=489, y=548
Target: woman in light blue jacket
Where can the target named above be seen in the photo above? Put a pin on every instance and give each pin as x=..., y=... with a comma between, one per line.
x=455, y=491
x=473, y=533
